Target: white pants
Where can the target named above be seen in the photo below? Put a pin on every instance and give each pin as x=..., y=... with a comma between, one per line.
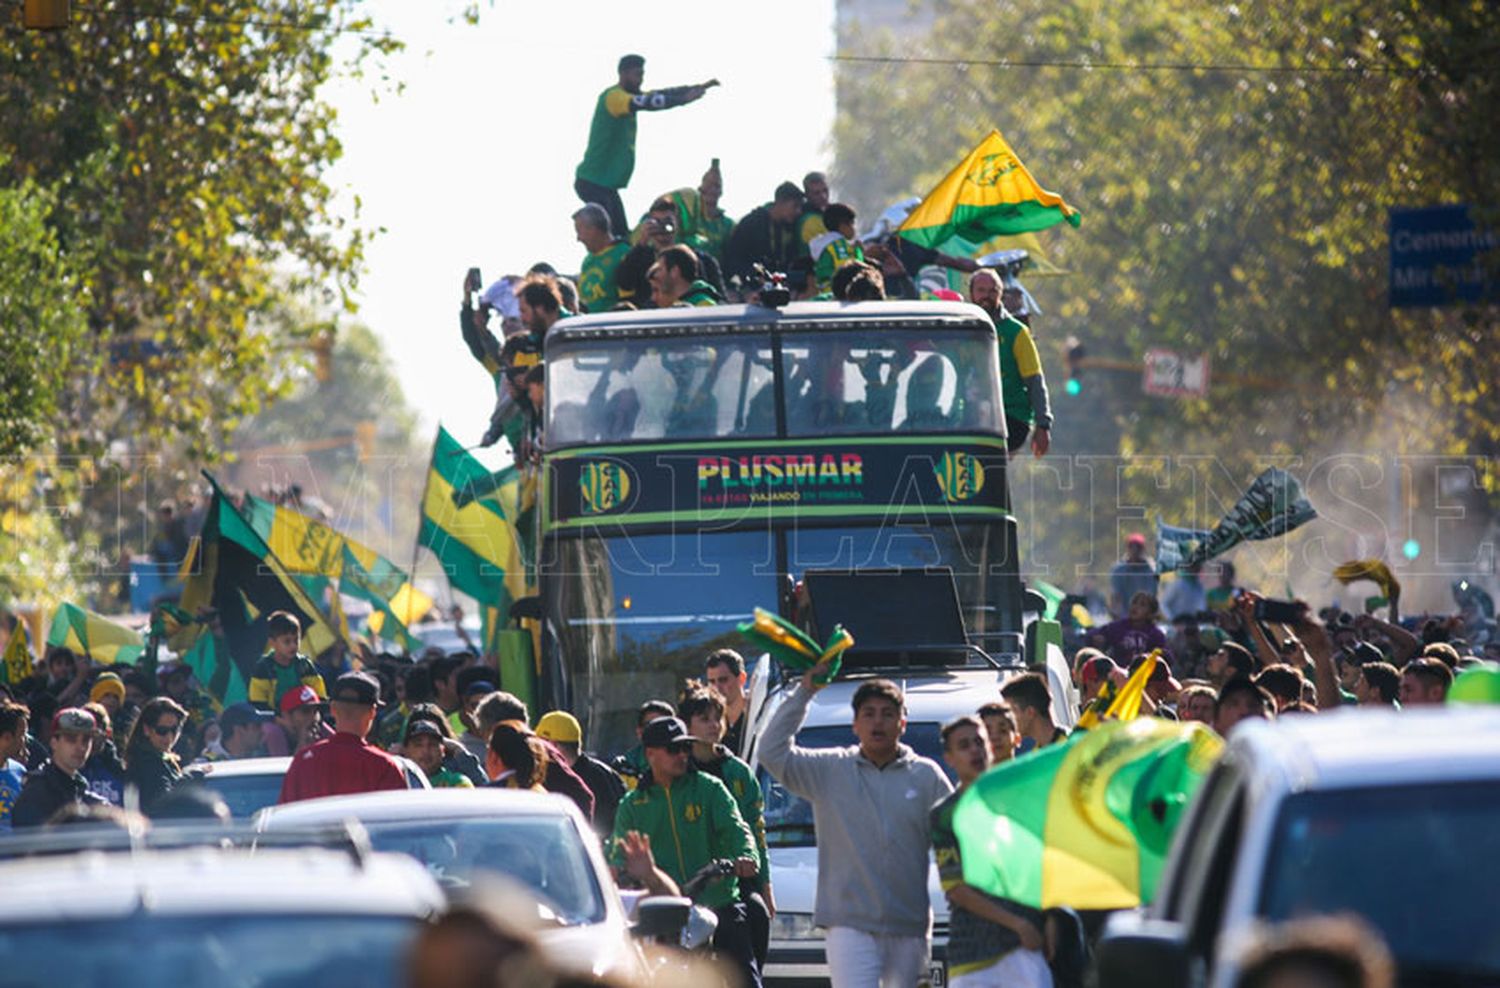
x=1017, y=969
x=857, y=959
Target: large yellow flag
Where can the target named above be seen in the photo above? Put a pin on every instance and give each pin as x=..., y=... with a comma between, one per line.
x=990, y=193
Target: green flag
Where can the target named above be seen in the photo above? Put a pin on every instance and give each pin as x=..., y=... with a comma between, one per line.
x=233, y=570
x=87, y=633
x=469, y=533
x=1273, y=505
x=990, y=193
x=1085, y=823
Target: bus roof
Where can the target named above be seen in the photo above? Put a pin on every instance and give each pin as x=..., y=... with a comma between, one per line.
x=750, y=318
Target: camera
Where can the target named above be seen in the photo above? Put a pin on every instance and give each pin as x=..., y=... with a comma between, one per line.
x=774, y=292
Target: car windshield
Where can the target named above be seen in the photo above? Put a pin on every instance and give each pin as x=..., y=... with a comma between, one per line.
x=789, y=817
x=543, y=852
x=262, y=951
x=1415, y=861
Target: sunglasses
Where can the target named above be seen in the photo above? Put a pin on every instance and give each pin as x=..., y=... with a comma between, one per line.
x=163, y=730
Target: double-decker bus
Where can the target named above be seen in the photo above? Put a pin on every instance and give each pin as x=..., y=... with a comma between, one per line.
x=700, y=460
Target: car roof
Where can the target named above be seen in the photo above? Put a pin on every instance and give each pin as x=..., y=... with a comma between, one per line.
x=741, y=318
x=930, y=696
x=214, y=881
x=1357, y=747
x=268, y=765
x=416, y=804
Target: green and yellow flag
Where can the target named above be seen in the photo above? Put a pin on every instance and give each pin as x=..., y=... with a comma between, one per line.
x=86, y=633
x=469, y=532
x=316, y=553
x=989, y=194
x=232, y=569
x=1085, y=823
x=17, y=663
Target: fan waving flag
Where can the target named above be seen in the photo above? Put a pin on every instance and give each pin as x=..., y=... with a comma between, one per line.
x=989, y=194
x=1085, y=823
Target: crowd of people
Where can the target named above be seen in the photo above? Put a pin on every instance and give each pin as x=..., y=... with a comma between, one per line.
x=77, y=734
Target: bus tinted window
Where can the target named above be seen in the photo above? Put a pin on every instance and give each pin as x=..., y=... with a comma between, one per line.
x=872, y=382
x=632, y=390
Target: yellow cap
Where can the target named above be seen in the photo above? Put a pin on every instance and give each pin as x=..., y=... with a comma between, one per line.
x=106, y=684
x=560, y=726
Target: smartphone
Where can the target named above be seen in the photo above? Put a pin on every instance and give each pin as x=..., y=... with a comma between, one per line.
x=1278, y=611
x=473, y=281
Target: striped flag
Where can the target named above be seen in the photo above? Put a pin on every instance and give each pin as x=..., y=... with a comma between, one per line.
x=990, y=193
x=1085, y=823
x=470, y=533
x=86, y=633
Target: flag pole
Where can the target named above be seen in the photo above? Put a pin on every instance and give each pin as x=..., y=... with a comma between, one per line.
x=416, y=542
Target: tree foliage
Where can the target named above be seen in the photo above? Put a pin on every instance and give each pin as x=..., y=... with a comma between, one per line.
x=184, y=148
x=1234, y=163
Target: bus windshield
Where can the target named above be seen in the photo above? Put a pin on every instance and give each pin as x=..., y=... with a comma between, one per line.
x=870, y=382
x=626, y=390
x=837, y=382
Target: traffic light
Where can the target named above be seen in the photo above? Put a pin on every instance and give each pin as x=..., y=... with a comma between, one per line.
x=1075, y=354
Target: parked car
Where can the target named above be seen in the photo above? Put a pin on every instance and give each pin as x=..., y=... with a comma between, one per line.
x=541, y=841
x=305, y=917
x=1392, y=815
x=249, y=785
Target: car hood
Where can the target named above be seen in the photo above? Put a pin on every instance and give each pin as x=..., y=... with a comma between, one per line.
x=601, y=949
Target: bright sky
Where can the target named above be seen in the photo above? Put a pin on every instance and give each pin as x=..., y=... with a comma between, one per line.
x=473, y=163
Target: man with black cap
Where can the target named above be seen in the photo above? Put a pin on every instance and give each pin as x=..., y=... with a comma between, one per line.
x=610, y=159
x=241, y=733
x=346, y=762
x=690, y=819
x=59, y=782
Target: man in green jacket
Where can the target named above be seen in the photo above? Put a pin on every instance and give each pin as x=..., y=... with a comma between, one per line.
x=610, y=159
x=689, y=819
x=702, y=709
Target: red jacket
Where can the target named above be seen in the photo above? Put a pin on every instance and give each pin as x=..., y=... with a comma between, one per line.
x=342, y=764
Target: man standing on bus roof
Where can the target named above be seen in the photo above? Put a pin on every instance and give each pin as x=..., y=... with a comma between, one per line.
x=610, y=159
x=675, y=280
x=597, y=289
x=1023, y=389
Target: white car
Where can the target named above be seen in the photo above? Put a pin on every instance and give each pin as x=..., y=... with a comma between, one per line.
x=933, y=698
x=209, y=916
x=540, y=840
x=1391, y=815
x=249, y=785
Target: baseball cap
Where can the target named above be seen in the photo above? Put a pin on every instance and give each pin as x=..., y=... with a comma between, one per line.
x=241, y=714
x=1163, y=674
x=106, y=685
x=74, y=720
x=302, y=696
x=356, y=687
x=1135, y=538
x=415, y=727
x=666, y=732
x=559, y=725
x=479, y=686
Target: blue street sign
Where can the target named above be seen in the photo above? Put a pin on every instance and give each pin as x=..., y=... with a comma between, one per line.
x=1438, y=257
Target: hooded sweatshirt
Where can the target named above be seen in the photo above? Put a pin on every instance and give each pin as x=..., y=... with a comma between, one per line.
x=873, y=825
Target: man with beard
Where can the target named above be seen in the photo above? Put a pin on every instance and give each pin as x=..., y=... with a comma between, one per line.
x=1023, y=388
x=610, y=159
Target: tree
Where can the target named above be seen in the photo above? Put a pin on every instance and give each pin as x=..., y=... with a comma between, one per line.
x=185, y=148
x=1233, y=164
